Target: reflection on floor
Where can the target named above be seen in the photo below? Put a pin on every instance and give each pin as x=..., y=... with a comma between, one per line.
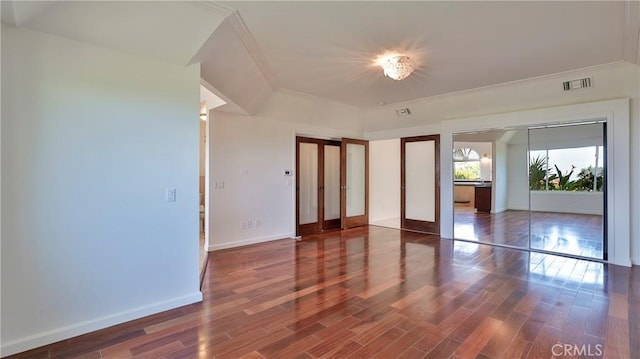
x=575, y=234
x=378, y=292
x=389, y=223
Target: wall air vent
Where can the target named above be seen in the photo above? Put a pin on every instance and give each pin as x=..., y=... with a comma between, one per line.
x=403, y=112
x=577, y=84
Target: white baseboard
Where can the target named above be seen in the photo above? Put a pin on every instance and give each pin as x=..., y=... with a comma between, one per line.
x=70, y=331
x=246, y=242
x=371, y=220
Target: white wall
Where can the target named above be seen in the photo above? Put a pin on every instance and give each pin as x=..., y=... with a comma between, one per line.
x=250, y=154
x=568, y=202
x=91, y=139
x=517, y=176
x=566, y=137
x=500, y=184
x=384, y=180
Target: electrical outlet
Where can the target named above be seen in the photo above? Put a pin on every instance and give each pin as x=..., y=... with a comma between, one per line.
x=218, y=185
x=249, y=224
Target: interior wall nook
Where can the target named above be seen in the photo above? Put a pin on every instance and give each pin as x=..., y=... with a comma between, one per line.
x=614, y=112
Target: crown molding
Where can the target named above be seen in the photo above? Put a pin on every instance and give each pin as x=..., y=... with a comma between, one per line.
x=252, y=47
x=216, y=7
x=240, y=28
x=631, y=40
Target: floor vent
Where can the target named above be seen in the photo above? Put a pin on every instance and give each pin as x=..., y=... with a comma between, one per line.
x=577, y=84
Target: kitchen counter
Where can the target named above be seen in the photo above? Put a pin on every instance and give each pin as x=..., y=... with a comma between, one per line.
x=474, y=194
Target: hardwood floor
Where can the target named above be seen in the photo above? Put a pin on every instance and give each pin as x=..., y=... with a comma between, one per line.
x=567, y=233
x=378, y=292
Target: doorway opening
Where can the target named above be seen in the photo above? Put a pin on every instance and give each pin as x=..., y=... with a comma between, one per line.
x=405, y=183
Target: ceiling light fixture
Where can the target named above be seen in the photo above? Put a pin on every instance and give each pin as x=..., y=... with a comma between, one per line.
x=397, y=67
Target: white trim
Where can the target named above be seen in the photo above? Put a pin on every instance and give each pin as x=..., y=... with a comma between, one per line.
x=246, y=242
x=382, y=219
x=239, y=27
x=214, y=6
x=502, y=209
x=616, y=112
x=631, y=42
x=591, y=203
x=207, y=186
x=70, y=331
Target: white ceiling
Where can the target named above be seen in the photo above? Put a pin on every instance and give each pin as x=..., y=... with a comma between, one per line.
x=327, y=48
x=169, y=31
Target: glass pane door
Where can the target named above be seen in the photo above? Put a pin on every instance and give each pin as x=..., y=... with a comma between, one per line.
x=420, y=183
x=491, y=195
x=331, y=186
x=354, y=182
x=307, y=188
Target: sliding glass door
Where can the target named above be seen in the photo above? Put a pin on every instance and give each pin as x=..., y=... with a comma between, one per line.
x=539, y=188
x=567, y=176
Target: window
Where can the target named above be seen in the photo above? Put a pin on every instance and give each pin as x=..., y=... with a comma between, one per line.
x=466, y=164
x=567, y=169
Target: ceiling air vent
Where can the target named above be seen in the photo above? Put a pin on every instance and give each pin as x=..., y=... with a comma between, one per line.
x=577, y=84
x=403, y=112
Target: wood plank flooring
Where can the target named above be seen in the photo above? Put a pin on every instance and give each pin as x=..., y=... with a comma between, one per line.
x=567, y=233
x=375, y=292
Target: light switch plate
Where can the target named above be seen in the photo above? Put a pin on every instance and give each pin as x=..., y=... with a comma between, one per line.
x=171, y=194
